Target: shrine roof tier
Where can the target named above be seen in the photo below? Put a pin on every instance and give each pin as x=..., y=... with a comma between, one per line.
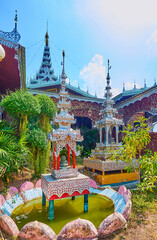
x=62, y=117
x=65, y=104
x=61, y=134
x=109, y=121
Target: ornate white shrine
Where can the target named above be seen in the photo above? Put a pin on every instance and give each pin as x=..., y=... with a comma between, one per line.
x=66, y=182
x=64, y=136
x=100, y=160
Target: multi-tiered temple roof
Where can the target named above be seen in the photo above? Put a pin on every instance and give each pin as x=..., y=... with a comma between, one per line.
x=45, y=73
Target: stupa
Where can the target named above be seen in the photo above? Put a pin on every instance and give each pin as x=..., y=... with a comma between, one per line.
x=64, y=181
x=109, y=171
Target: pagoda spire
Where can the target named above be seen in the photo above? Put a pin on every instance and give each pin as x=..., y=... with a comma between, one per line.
x=16, y=20
x=47, y=36
x=46, y=72
x=108, y=93
x=63, y=75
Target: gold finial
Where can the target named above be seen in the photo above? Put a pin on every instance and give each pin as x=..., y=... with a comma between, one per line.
x=47, y=39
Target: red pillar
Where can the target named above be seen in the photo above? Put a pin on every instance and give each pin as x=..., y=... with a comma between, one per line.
x=73, y=159
x=58, y=158
x=68, y=148
x=54, y=158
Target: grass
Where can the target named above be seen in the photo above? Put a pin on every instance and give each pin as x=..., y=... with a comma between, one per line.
x=144, y=201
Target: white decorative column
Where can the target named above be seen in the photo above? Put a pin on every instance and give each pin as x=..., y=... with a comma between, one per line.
x=106, y=132
x=117, y=131
x=100, y=131
x=110, y=131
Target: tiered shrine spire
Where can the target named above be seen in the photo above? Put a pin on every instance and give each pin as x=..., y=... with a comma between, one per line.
x=45, y=73
x=64, y=136
x=64, y=119
x=109, y=119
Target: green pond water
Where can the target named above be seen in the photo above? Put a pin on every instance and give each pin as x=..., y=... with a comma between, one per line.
x=65, y=210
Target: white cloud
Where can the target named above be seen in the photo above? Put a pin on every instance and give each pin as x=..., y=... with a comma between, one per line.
x=94, y=76
x=115, y=91
x=152, y=38
x=124, y=17
x=75, y=83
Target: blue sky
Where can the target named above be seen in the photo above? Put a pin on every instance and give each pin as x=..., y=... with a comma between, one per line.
x=90, y=32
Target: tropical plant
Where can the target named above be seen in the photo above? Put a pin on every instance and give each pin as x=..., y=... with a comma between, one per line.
x=134, y=141
x=13, y=153
x=20, y=105
x=148, y=163
x=31, y=117
x=48, y=110
x=37, y=138
x=39, y=146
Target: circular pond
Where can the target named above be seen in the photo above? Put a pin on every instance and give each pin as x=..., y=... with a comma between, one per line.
x=65, y=210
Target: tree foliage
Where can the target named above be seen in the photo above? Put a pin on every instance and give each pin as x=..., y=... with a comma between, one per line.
x=40, y=146
x=48, y=110
x=47, y=106
x=31, y=117
x=20, y=105
x=91, y=136
x=134, y=141
x=13, y=152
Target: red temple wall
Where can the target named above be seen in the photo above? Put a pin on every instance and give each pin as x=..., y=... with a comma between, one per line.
x=147, y=104
x=9, y=71
x=153, y=143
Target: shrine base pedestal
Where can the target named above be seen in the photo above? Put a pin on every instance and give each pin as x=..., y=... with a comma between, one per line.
x=54, y=189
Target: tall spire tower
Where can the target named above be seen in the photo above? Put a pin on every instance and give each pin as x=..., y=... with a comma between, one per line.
x=64, y=136
x=45, y=73
x=109, y=119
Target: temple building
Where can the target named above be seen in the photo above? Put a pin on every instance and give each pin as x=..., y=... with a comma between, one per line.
x=85, y=107
x=126, y=94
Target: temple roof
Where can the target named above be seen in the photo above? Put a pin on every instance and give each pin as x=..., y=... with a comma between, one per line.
x=46, y=72
x=10, y=39
x=48, y=86
x=130, y=93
